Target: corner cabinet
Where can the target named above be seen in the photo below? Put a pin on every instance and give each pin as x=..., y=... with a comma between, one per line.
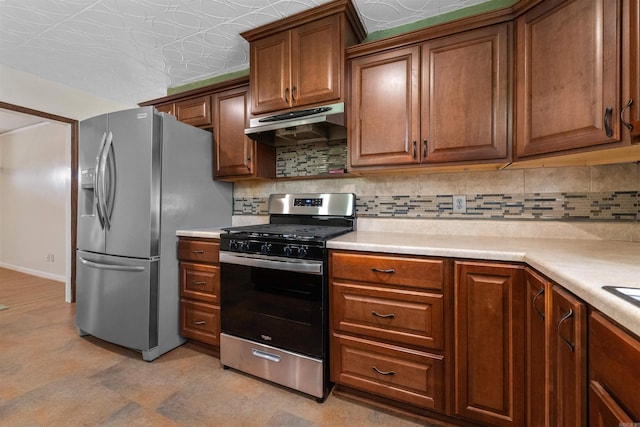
x=237, y=155
x=489, y=340
x=443, y=101
x=200, y=290
x=568, y=76
x=388, y=335
x=300, y=61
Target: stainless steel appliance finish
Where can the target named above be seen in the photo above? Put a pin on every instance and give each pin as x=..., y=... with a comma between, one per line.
x=286, y=368
x=274, y=290
x=142, y=176
x=325, y=123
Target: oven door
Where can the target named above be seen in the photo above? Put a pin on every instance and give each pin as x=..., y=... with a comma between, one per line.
x=274, y=301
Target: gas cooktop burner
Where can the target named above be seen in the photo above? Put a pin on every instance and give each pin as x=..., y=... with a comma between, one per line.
x=290, y=231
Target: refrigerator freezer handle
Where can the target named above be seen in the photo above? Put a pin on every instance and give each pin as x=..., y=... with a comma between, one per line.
x=110, y=266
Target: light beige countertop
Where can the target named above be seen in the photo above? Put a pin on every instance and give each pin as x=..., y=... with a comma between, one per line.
x=580, y=266
x=206, y=233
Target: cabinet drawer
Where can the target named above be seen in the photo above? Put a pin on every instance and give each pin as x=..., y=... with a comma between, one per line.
x=404, y=375
x=200, y=322
x=196, y=111
x=200, y=281
x=388, y=270
x=404, y=316
x=201, y=250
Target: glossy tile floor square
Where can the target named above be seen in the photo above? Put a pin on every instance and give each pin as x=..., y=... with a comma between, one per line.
x=49, y=376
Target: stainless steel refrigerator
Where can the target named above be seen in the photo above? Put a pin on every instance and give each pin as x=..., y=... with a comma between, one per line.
x=142, y=176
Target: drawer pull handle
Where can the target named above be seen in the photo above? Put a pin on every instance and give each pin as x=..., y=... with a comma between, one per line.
x=388, y=271
x=264, y=355
x=198, y=251
x=384, y=316
x=202, y=283
x=199, y=322
x=383, y=372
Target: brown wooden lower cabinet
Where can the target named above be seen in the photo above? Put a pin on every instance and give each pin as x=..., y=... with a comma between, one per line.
x=537, y=391
x=200, y=290
x=567, y=359
x=476, y=343
x=614, y=374
x=489, y=343
x=400, y=373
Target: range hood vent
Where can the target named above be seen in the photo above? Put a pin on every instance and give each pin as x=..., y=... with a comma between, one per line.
x=319, y=124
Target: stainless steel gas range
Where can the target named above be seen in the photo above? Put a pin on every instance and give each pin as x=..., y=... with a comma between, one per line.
x=274, y=291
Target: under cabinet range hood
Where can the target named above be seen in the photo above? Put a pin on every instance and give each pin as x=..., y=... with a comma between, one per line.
x=317, y=124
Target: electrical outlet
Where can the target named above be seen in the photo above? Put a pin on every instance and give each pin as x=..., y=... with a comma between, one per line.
x=459, y=203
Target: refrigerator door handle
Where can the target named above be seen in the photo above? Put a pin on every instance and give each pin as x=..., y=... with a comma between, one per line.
x=102, y=168
x=117, y=267
x=110, y=191
x=98, y=182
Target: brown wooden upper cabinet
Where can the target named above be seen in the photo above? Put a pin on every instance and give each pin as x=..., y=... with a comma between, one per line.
x=193, y=111
x=299, y=61
x=631, y=65
x=237, y=155
x=445, y=100
x=568, y=76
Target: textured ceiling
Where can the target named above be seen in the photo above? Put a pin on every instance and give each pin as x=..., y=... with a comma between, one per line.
x=133, y=50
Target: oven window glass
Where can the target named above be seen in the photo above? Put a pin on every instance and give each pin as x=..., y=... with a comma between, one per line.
x=273, y=307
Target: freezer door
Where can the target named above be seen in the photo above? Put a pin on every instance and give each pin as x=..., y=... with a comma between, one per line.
x=132, y=170
x=117, y=299
x=92, y=138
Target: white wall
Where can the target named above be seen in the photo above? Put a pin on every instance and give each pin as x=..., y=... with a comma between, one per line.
x=34, y=200
x=27, y=90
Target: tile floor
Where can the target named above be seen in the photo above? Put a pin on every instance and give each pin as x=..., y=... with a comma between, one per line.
x=49, y=376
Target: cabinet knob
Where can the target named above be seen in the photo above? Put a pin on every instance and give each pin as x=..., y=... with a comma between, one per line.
x=286, y=95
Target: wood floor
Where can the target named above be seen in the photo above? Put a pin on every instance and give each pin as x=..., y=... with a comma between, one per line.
x=23, y=293
x=50, y=376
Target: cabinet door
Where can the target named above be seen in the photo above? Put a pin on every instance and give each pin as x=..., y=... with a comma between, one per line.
x=465, y=93
x=234, y=150
x=270, y=73
x=489, y=343
x=316, y=62
x=537, y=390
x=568, y=350
x=384, y=115
x=567, y=76
x=166, y=108
x=195, y=112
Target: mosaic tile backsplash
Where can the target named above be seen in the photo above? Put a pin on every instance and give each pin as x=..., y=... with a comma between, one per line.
x=311, y=159
x=604, y=206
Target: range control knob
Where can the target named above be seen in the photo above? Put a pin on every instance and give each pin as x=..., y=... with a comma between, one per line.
x=234, y=245
x=302, y=251
x=265, y=248
x=289, y=250
x=246, y=246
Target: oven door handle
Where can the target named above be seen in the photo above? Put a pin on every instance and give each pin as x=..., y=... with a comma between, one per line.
x=273, y=263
